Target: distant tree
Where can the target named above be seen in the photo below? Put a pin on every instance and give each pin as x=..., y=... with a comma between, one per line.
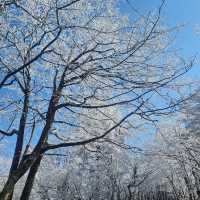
x=177, y=152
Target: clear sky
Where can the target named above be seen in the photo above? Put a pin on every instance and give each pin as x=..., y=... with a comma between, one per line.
x=177, y=12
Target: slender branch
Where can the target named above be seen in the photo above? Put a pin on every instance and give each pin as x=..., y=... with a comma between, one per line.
x=13, y=132
x=84, y=142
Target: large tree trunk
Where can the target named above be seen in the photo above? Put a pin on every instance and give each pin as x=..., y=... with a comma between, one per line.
x=20, y=168
x=8, y=189
x=30, y=179
x=7, y=192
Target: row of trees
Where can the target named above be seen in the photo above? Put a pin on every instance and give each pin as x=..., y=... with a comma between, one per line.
x=79, y=73
x=166, y=169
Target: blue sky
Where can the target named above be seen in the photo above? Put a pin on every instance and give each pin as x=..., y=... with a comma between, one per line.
x=177, y=12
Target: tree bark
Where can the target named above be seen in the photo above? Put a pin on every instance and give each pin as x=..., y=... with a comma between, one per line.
x=8, y=189
x=7, y=192
x=30, y=179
